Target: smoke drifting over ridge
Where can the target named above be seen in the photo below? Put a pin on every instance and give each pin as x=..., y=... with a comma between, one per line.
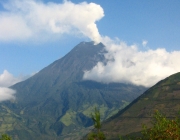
x=126, y=63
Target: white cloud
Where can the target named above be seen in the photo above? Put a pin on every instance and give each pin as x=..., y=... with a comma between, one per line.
x=6, y=80
x=127, y=64
x=13, y=27
x=27, y=19
x=6, y=94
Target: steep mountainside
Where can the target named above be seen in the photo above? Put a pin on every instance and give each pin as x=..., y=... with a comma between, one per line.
x=57, y=102
x=164, y=96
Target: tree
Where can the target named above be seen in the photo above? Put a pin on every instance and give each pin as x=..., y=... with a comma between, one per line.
x=96, y=119
x=97, y=135
x=163, y=128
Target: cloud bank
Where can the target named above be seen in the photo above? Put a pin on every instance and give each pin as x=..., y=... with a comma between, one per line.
x=127, y=64
x=25, y=19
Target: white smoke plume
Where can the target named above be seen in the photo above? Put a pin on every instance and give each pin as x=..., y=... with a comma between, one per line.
x=24, y=19
x=27, y=19
x=127, y=64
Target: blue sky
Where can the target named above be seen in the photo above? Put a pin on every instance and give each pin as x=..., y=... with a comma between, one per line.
x=156, y=23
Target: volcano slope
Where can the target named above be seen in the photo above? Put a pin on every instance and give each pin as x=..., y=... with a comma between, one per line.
x=164, y=96
x=57, y=103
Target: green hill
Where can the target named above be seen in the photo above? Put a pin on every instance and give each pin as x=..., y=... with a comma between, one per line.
x=164, y=96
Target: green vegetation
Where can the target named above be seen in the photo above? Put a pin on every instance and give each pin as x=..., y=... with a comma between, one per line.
x=68, y=118
x=163, y=128
x=97, y=135
x=5, y=137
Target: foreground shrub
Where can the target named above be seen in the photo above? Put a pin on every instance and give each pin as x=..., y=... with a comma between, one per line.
x=163, y=128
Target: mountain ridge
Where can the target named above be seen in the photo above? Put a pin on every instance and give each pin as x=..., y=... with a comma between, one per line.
x=57, y=101
x=163, y=96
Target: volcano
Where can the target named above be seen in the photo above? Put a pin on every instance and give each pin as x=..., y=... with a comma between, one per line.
x=57, y=103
